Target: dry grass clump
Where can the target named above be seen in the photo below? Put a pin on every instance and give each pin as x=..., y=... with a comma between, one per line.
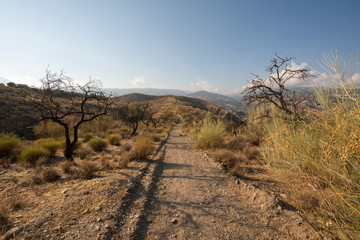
x=50, y=174
x=235, y=143
x=66, y=166
x=125, y=147
x=32, y=154
x=8, y=144
x=4, y=218
x=84, y=151
x=114, y=139
x=226, y=157
x=16, y=203
x=49, y=144
x=98, y=144
x=125, y=158
x=143, y=148
x=252, y=152
x=86, y=170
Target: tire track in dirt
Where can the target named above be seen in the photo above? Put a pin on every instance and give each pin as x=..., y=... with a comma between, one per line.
x=184, y=195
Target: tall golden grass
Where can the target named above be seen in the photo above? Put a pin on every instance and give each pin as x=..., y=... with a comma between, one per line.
x=323, y=153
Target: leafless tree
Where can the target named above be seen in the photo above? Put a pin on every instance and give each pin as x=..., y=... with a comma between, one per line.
x=273, y=90
x=70, y=104
x=132, y=114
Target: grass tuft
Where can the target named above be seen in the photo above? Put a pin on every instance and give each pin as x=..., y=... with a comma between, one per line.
x=98, y=144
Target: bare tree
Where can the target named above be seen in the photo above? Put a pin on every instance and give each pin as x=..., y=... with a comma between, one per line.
x=132, y=114
x=273, y=90
x=70, y=104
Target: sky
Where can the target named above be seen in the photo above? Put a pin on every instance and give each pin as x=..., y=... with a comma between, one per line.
x=184, y=44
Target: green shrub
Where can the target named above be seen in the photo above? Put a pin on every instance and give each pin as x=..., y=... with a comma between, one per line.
x=98, y=144
x=8, y=144
x=32, y=154
x=49, y=144
x=143, y=148
x=211, y=134
x=114, y=139
x=88, y=136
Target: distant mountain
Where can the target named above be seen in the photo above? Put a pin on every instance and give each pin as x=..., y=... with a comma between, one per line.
x=218, y=99
x=148, y=91
x=215, y=98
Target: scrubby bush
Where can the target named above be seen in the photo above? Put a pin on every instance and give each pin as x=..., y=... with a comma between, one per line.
x=226, y=157
x=50, y=174
x=84, y=151
x=32, y=154
x=49, y=144
x=114, y=139
x=98, y=144
x=211, y=134
x=8, y=144
x=143, y=148
x=66, y=166
x=86, y=170
x=125, y=147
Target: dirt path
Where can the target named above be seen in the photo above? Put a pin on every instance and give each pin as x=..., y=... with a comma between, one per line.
x=185, y=195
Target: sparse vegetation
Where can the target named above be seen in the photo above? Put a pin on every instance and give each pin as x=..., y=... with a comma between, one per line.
x=4, y=218
x=98, y=144
x=88, y=136
x=50, y=174
x=84, y=151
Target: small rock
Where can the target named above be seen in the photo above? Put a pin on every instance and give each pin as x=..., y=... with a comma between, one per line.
x=97, y=228
x=64, y=191
x=86, y=211
x=19, y=216
x=98, y=219
x=237, y=181
x=174, y=221
x=98, y=208
x=131, y=178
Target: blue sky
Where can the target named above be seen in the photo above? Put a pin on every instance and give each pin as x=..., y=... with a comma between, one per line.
x=190, y=45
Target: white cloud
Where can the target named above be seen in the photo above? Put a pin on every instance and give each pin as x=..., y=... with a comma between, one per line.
x=204, y=85
x=138, y=81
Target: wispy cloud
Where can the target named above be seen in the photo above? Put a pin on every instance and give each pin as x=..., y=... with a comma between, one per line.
x=138, y=81
x=204, y=85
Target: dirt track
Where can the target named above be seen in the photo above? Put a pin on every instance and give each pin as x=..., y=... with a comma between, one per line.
x=185, y=195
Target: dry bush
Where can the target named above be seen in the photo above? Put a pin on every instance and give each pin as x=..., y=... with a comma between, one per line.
x=308, y=201
x=226, y=157
x=252, y=152
x=211, y=134
x=143, y=148
x=97, y=144
x=86, y=170
x=125, y=158
x=35, y=179
x=50, y=174
x=105, y=163
x=8, y=144
x=235, y=143
x=84, y=151
x=66, y=166
x=32, y=154
x=4, y=218
x=114, y=139
x=41, y=161
x=253, y=139
x=125, y=147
